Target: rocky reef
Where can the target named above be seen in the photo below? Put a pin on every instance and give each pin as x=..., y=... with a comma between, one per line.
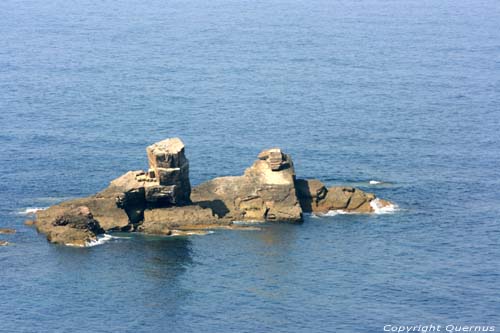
x=5, y=231
x=161, y=200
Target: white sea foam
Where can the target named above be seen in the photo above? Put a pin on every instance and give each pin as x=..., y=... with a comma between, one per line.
x=375, y=182
x=380, y=209
x=334, y=213
x=31, y=210
x=101, y=239
x=192, y=233
x=377, y=206
x=248, y=222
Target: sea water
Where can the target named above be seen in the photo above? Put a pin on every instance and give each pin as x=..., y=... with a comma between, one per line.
x=399, y=98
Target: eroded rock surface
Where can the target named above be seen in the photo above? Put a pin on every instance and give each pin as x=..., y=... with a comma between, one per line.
x=164, y=220
x=265, y=192
x=161, y=201
x=69, y=226
x=316, y=198
x=170, y=168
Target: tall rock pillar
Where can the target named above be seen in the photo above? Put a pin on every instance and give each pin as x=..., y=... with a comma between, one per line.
x=169, y=169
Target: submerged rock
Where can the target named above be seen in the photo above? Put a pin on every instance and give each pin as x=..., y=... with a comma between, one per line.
x=29, y=223
x=6, y=231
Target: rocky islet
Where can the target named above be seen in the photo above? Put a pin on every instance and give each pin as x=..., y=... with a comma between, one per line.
x=161, y=200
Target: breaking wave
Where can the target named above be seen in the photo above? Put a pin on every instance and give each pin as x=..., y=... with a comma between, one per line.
x=375, y=182
x=376, y=204
x=31, y=210
x=334, y=213
x=101, y=239
x=191, y=233
x=380, y=209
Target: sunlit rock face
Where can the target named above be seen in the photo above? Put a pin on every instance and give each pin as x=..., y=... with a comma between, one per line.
x=169, y=168
x=316, y=198
x=265, y=192
x=160, y=200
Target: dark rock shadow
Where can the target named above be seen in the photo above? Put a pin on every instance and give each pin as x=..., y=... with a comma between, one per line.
x=218, y=206
x=304, y=195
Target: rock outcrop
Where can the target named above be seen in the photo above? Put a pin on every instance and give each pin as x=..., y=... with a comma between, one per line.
x=121, y=206
x=74, y=226
x=164, y=220
x=161, y=201
x=103, y=206
x=265, y=192
x=169, y=167
x=316, y=198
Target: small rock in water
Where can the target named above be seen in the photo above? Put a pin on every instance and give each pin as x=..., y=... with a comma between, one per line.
x=29, y=223
x=7, y=231
x=3, y=243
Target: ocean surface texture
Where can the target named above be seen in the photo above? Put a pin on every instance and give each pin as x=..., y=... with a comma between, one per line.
x=402, y=92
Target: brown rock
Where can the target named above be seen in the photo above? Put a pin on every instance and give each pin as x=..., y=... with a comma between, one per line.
x=345, y=198
x=105, y=210
x=70, y=236
x=170, y=167
x=253, y=207
x=161, y=198
x=3, y=243
x=163, y=220
x=7, y=231
x=265, y=192
x=160, y=195
x=310, y=192
x=129, y=195
x=168, y=153
x=29, y=223
x=357, y=199
x=68, y=225
x=275, y=158
x=337, y=198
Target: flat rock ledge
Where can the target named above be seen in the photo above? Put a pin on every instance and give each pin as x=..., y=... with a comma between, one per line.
x=161, y=201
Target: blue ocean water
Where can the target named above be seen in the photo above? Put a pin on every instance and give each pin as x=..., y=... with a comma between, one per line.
x=405, y=92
